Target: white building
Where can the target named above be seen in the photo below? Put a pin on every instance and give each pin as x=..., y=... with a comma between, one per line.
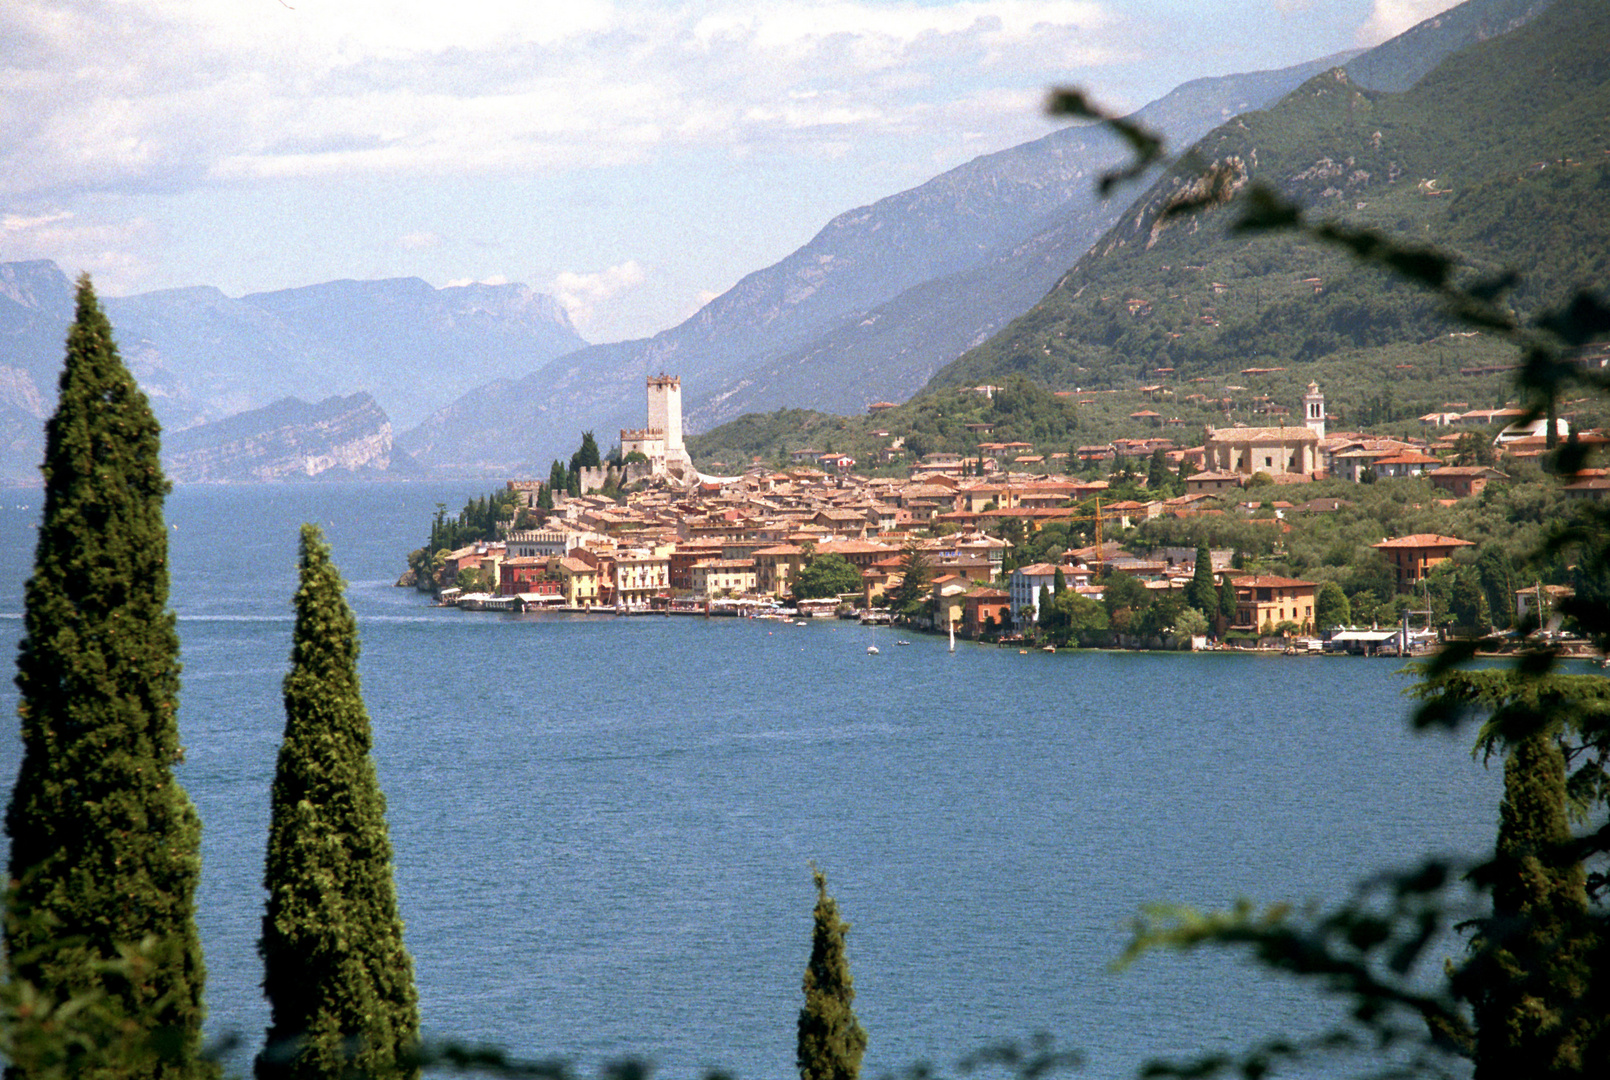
x=1027, y=581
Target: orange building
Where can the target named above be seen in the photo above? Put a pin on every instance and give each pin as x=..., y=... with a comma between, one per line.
x=1413, y=557
x=983, y=608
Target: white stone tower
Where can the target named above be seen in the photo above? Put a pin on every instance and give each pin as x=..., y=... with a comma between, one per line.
x=1314, y=410
x=665, y=409
x=665, y=418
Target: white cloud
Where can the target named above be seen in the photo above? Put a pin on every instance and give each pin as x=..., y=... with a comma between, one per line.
x=178, y=93
x=418, y=241
x=495, y=279
x=582, y=294
x=1389, y=18
x=19, y=223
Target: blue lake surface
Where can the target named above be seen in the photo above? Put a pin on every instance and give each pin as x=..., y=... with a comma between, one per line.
x=604, y=827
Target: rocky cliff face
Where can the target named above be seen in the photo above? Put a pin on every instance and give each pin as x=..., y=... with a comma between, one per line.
x=290, y=439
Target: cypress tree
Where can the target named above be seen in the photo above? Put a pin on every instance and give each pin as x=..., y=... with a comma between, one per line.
x=339, y=981
x=1227, y=602
x=831, y=1040
x=1530, y=973
x=105, y=845
x=1202, y=594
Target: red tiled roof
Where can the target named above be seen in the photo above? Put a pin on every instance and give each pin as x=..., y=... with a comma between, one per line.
x=1423, y=540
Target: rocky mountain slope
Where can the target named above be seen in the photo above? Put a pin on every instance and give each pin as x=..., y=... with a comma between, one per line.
x=1500, y=155
x=346, y=437
x=936, y=268
x=202, y=356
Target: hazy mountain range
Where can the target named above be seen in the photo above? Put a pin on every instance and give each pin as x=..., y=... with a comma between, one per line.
x=203, y=357
x=871, y=308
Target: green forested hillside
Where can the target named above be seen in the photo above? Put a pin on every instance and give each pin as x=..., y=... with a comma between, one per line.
x=1501, y=156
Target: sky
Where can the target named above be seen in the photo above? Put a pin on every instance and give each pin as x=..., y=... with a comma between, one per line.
x=633, y=159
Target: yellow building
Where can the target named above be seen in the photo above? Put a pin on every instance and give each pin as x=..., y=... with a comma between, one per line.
x=1265, y=601
x=578, y=579
x=723, y=577
x=776, y=568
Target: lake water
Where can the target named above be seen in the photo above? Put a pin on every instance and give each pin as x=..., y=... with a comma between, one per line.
x=604, y=827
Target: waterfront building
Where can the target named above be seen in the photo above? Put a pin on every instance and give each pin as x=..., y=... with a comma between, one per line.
x=948, y=590
x=1265, y=601
x=578, y=580
x=640, y=574
x=524, y=574
x=983, y=609
x=723, y=577
x=1027, y=581
x=777, y=567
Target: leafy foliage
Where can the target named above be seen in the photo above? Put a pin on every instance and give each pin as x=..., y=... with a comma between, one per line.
x=1531, y=997
x=827, y=575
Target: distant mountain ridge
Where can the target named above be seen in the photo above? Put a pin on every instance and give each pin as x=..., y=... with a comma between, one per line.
x=202, y=356
x=877, y=303
x=999, y=228
x=888, y=294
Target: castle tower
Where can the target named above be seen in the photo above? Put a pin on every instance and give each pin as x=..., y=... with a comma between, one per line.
x=665, y=419
x=665, y=409
x=1314, y=410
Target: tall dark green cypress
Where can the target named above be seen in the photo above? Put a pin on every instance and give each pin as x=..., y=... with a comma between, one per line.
x=1227, y=599
x=831, y=1040
x=105, y=845
x=339, y=981
x=1529, y=977
x=1202, y=594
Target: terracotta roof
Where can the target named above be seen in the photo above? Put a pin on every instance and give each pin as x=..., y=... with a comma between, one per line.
x=1423, y=540
x=1263, y=434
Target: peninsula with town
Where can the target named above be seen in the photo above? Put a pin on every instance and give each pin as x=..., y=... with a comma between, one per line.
x=1289, y=537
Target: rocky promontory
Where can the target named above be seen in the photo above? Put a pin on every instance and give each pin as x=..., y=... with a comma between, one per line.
x=288, y=440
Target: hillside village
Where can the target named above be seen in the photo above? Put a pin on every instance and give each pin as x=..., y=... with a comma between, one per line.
x=675, y=540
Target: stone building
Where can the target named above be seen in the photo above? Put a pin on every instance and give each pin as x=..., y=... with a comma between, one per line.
x=1277, y=451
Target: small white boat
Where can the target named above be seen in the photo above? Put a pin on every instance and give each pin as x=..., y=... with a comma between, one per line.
x=872, y=650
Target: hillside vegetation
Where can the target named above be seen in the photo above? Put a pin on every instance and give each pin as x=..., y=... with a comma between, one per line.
x=1501, y=155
